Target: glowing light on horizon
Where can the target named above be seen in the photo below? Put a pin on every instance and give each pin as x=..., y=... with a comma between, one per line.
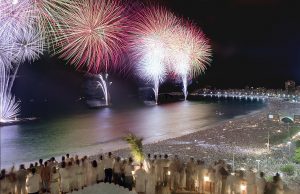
x=93, y=35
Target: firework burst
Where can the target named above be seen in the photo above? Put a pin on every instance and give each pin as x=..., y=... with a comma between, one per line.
x=15, y=15
x=189, y=52
x=149, y=39
x=29, y=44
x=47, y=14
x=92, y=34
x=9, y=107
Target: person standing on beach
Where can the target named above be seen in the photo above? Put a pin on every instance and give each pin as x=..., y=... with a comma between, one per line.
x=151, y=181
x=101, y=175
x=85, y=166
x=147, y=163
x=67, y=158
x=64, y=179
x=93, y=173
x=54, y=184
x=108, y=166
x=128, y=169
x=140, y=180
x=21, y=180
x=190, y=174
x=261, y=184
x=117, y=171
x=33, y=182
x=45, y=175
x=175, y=167
x=159, y=170
x=4, y=188
x=79, y=175
x=250, y=178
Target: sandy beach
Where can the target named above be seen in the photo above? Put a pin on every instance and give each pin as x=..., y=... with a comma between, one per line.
x=243, y=138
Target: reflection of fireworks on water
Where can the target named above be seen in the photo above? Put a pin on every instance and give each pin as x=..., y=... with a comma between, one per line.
x=150, y=32
x=190, y=52
x=93, y=34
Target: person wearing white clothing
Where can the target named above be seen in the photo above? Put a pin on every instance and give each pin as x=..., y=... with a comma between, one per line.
x=21, y=180
x=94, y=173
x=159, y=170
x=33, y=182
x=151, y=181
x=54, y=184
x=128, y=169
x=140, y=180
x=250, y=178
x=64, y=179
x=4, y=182
x=175, y=168
x=108, y=166
x=147, y=163
x=261, y=184
x=190, y=174
x=100, y=169
x=79, y=175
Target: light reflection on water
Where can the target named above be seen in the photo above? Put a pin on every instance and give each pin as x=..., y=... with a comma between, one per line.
x=100, y=130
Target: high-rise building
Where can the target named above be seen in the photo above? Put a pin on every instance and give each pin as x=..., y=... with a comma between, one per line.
x=290, y=86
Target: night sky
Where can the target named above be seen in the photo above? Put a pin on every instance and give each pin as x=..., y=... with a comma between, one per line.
x=254, y=42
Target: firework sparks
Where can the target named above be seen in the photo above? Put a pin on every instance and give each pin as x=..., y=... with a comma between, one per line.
x=104, y=87
x=48, y=14
x=15, y=15
x=93, y=35
x=9, y=107
x=29, y=44
x=190, y=52
x=151, y=29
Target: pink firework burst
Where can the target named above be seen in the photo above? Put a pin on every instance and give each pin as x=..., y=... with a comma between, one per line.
x=93, y=34
x=189, y=49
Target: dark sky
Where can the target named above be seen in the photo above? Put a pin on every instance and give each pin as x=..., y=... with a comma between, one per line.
x=255, y=43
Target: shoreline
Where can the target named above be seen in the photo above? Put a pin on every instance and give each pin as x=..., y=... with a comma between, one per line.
x=118, y=145
x=242, y=137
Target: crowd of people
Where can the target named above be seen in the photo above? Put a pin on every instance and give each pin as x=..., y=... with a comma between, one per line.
x=156, y=174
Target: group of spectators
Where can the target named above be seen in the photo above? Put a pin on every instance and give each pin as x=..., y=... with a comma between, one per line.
x=157, y=174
